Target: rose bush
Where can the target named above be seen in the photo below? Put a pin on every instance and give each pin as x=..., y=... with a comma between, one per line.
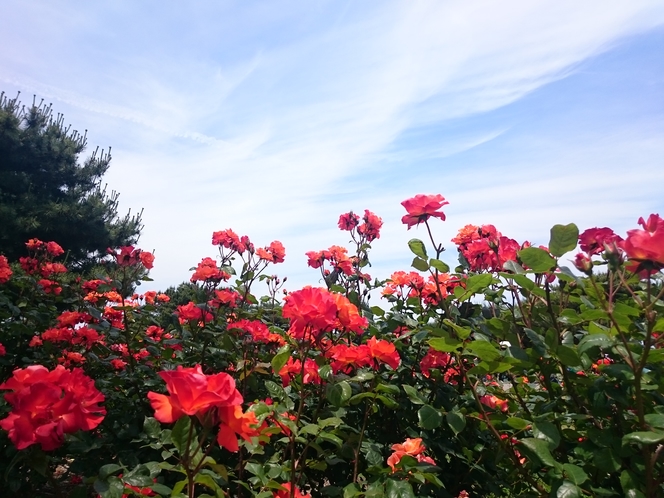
x=509, y=375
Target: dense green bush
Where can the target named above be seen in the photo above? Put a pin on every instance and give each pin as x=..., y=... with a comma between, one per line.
x=508, y=376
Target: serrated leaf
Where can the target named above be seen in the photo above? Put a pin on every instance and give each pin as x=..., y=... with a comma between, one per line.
x=418, y=248
x=563, y=239
x=429, y=418
x=180, y=434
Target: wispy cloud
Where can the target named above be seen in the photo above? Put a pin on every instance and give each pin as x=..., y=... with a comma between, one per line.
x=275, y=117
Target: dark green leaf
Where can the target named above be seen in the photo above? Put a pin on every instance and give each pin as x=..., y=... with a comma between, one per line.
x=456, y=421
x=180, y=434
x=574, y=473
x=398, y=489
x=594, y=341
x=568, y=356
x=413, y=395
x=338, y=394
x=548, y=432
x=568, y=490
x=563, y=239
x=428, y=417
x=643, y=437
x=540, y=449
x=107, y=470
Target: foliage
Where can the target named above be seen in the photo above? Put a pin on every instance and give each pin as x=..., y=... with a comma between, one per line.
x=46, y=193
x=509, y=376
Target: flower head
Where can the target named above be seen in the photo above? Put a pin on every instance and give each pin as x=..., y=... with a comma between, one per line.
x=192, y=392
x=422, y=207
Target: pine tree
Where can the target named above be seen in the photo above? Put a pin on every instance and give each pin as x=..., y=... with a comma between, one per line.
x=46, y=193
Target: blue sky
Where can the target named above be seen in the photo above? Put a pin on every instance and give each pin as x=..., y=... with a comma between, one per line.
x=274, y=117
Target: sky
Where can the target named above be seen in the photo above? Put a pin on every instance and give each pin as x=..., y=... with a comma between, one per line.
x=274, y=117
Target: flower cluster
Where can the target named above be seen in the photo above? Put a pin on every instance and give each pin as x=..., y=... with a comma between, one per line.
x=485, y=248
x=129, y=256
x=46, y=405
x=5, y=270
x=313, y=311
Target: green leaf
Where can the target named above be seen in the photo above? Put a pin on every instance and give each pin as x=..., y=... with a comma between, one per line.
x=107, y=470
x=420, y=264
x=630, y=484
x=655, y=420
x=574, y=473
x=428, y=417
x=445, y=344
x=151, y=427
x=548, y=432
x=605, y=459
x=338, y=394
x=568, y=490
x=643, y=437
x=513, y=267
x=417, y=248
x=180, y=434
x=563, y=239
x=594, y=341
x=484, y=350
x=439, y=265
x=413, y=395
x=456, y=421
x=462, y=332
x=537, y=259
x=517, y=423
x=540, y=449
x=113, y=488
x=568, y=356
x=398, y=489
x=352, y=490
x=280, y=359
x=538, y=342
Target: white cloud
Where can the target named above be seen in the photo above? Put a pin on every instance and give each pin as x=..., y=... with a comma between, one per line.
x=256, y=117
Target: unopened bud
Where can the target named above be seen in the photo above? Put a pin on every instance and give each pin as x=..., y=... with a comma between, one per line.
x=583, y=263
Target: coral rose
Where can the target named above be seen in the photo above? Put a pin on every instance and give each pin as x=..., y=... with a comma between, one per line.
x=422, y=207
x=192, y=392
